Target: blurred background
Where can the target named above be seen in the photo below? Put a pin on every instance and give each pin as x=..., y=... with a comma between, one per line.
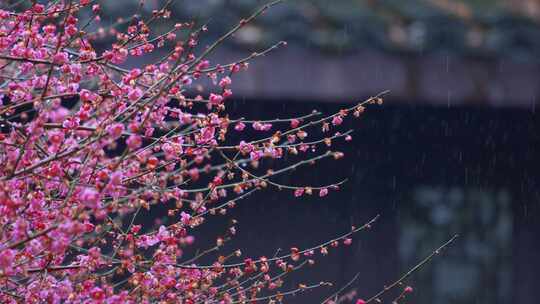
x=454, y=149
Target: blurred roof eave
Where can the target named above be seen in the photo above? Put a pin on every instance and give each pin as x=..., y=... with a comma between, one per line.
x=442, y=52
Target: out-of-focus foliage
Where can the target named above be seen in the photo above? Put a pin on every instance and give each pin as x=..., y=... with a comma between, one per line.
x=480, y=268
x=474, y=27
x=468, y=27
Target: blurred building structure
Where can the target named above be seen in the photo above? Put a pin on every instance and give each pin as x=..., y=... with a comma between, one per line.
x=480, y=52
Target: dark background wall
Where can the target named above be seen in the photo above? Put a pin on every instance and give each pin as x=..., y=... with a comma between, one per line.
x=430, y=172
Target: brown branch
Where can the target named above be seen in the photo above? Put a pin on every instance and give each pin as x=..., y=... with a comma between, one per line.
x=413, y=270
x=327, y=243
x=36, y=235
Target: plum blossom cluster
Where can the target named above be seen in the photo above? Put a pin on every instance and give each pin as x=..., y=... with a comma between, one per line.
x=86, y=144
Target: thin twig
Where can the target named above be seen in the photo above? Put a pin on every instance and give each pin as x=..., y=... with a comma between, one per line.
x=413, y=270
